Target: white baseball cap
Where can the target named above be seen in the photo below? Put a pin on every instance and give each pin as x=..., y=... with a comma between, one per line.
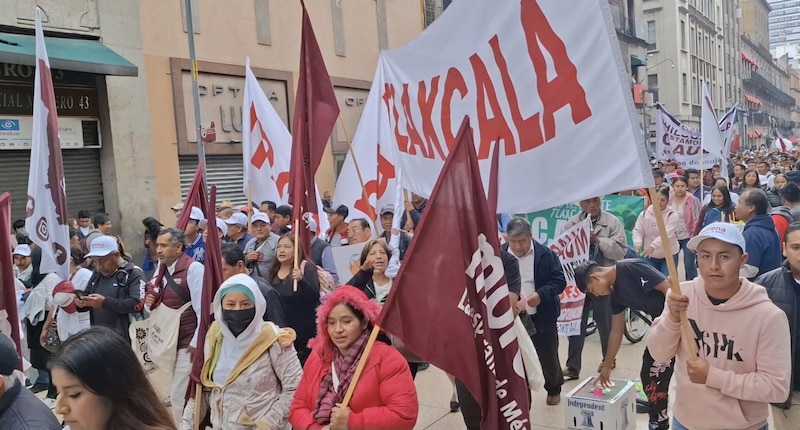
x=103, y=246
x=197, y=214
x=723, y=231
x=222, y=226
x=23, y=250
x=237, y=218
x=260, y=216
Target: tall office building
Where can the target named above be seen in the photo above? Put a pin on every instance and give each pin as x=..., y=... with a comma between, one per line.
x=784, y=28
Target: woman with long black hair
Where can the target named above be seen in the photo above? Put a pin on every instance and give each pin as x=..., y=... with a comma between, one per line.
x=102, y=385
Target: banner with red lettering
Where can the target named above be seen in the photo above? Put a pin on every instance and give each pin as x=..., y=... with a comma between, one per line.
x=527, y=75
x=572, y=247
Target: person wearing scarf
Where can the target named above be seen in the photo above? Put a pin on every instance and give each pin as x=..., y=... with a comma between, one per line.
x=251, y=370
x=384, y=397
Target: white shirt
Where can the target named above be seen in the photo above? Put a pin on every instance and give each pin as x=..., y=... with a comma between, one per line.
x=194, y=280
x=526, y=276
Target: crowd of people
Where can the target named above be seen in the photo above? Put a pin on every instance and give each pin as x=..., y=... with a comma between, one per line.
x=289, y=330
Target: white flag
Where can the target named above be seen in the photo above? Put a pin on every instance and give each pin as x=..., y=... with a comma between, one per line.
x=266, y=144
x=267, y=149
x=46, y=209
x=710, y=137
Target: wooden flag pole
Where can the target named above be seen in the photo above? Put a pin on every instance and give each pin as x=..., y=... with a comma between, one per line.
x=686, y=332
x=198, y=401
x=355, y=164
x=361, y=363
x=408, y=212
x=296, y=251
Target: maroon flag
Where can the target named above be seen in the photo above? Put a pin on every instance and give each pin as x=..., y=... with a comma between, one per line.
x=212, y=278
x=8, y=293
x=195, y=197
x=450, y=301
x=315, y=113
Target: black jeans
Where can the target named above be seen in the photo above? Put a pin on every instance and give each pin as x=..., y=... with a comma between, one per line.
x=655, y=380
x=601, y=311
x=546, y=343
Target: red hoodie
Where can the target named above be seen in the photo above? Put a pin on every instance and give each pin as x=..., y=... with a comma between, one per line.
x=745, y=341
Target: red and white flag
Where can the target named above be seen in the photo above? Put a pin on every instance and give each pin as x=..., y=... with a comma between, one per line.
x=710, y=135
x=266, y=145
x=46, y=210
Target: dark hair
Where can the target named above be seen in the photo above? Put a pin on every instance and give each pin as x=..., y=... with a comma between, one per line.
x=368, y=247
x=791, y=192
x=741, y=166
x=270, y=205
x=744, y=179
x=105, y=364
x=756, y=198
x=18, y=224
x=680, y=179
x=177, y=237
x=793, y=227
x=72, y=233
x=664, y=191
x=356, y=312
x=362, y=221
x=276, y=265
x=582, y=273
x=284, y=210
x=231, y=254
x=727, y=203
x=658, y=173
x=84, y=214
x=100, y=219
x=691, y=171
x=77, y=255
x=151, y=227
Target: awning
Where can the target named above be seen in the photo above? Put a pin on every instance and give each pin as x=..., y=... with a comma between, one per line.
x=752, y=99
x=637, y=62
x=89, y=56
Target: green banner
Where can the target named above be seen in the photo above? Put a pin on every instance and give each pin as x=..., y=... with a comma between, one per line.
x=547, y=224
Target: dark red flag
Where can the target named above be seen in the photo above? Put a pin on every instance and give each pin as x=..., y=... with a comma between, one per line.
x=8, y=294
x=212, y=279
x=195, y=197
x=315, y=113
x=450, y=301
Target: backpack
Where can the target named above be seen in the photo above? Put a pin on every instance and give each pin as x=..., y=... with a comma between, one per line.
x=784, y=212
x=326, y=281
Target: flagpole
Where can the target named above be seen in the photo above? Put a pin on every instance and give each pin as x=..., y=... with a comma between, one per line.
x=250, y=202
x=201, y=146
x=355, y=163
x=686, y=332
x=296, y=250
x=361, y=363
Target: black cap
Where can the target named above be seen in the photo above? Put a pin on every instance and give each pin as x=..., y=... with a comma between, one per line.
x=9, y=358
x=338, y=210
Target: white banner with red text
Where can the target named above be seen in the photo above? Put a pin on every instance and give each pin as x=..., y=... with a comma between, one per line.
x=572, y=247
x=527, y=75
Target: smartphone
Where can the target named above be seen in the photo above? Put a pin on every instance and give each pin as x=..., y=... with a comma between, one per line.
x=79, y=294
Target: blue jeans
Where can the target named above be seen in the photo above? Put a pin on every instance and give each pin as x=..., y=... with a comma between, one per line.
x=689, y=259
x=678, y=426
x=660, y=264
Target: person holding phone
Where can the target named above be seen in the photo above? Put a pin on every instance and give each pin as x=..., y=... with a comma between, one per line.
x=632, y=283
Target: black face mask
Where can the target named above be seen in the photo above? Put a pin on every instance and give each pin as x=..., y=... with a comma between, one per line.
x=238, y=321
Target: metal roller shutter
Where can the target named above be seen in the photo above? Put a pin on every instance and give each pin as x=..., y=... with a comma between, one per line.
x=81, y=169
x=225, y=171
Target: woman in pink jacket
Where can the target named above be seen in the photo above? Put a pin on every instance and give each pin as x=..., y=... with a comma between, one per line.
x=687, y=207
x=384, y=397
x=646, y=237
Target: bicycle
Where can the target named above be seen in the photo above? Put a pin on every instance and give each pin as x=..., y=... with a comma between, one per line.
x=637, y=325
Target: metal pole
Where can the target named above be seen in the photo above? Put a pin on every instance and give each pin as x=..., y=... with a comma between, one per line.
x=201, y=146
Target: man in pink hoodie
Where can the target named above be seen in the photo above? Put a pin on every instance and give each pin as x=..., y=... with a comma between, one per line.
x=743, y=360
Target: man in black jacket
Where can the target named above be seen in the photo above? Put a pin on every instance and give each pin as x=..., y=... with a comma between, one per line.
x=784, y=290
x=542, y=280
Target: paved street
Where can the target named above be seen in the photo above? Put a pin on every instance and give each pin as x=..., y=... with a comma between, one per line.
x=433, y=389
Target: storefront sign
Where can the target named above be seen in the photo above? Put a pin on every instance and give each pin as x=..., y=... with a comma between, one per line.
x=17, y=99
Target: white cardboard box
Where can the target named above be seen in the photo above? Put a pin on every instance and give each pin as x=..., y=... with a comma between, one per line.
x=612, y=410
